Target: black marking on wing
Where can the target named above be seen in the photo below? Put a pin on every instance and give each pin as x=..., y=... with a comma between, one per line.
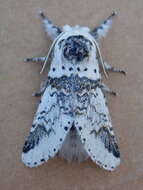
x=34, y=137
x=73, y=83
x=108, y=140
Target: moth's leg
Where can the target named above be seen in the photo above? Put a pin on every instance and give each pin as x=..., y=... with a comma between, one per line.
x=101, y=30
x=113, y=69
x=107, y=89
x=51, y=30
x=35, y=59
x=43, y=86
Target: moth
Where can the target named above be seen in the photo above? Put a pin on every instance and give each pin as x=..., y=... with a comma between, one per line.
x=72, y=119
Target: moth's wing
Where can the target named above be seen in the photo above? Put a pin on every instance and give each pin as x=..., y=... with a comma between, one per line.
x=49, y=129
x=95, y=129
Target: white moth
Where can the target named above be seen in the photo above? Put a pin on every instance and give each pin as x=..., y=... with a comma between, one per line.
x=72, y=119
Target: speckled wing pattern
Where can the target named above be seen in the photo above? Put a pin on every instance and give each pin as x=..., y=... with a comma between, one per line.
x=72, y=119
x=49, y=129
x=87, y=111
x=95, y=130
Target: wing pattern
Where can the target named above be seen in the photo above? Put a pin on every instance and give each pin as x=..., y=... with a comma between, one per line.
x=95, y=130
x=67, y=102
x=50, y=127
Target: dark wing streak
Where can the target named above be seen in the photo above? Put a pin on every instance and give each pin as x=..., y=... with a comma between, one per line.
x=34, y=137
x=108, y=140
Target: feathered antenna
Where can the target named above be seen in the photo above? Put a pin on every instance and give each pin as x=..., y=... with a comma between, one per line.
x=49, y=52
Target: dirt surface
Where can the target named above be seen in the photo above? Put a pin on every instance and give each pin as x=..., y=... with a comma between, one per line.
x=21, y=36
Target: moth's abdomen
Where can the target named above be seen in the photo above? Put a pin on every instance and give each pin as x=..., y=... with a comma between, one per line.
x=72, y=148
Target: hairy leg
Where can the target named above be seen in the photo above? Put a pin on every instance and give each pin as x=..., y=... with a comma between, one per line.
x=107, y=89
x=113, y=69
x=43, y=86
x=35, y=59
x=101, y=30
x=51, y=30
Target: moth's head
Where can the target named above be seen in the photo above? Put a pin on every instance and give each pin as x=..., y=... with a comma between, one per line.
x=76, y=48
x=75, y=44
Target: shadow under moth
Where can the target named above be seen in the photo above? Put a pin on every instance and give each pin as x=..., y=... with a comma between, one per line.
x=72, y=119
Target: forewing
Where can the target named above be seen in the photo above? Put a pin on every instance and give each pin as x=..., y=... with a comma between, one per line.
x=49, y=129
x=95, y=130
